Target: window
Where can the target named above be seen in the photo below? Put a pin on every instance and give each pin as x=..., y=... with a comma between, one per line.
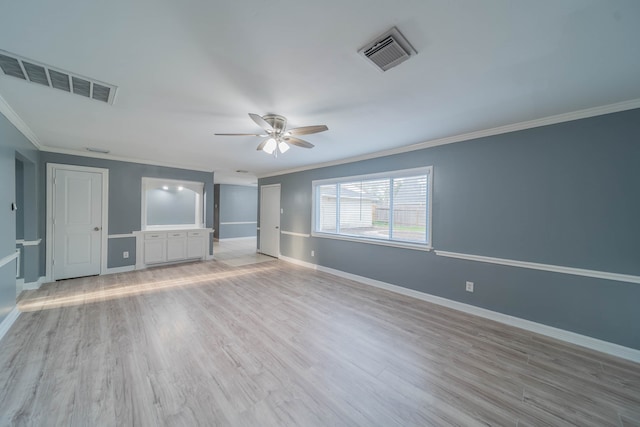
x=171, y=204
x=388, y=208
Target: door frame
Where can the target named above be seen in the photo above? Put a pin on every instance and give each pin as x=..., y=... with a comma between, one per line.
x=51, y=168
x=279, y=213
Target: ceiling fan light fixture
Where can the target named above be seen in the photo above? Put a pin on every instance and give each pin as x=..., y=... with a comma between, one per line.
x=283, y=147
x=279, y=138
x=270, y=146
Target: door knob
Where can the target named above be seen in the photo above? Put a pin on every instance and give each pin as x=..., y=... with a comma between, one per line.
x=277, y=227
x=96, y=228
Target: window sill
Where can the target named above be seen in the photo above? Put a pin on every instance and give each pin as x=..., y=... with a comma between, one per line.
x=403, y=245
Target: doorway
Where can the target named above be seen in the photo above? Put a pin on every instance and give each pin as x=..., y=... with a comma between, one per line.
x=270, y=220
x=77, y=199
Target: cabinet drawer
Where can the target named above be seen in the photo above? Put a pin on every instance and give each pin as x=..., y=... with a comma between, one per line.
x=197, y=233
x=153, y=236
x=177, y=234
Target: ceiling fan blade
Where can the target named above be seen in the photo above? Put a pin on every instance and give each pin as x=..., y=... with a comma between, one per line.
x=299, y=142
x=306, y=130
x=262, y=144
x=261, y=122
x=238, y=134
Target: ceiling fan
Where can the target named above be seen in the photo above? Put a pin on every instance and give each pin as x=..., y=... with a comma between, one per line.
x=277, y=134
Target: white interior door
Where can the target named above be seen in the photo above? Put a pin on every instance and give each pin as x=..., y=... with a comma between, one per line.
x=77, y=223
x=270, y=220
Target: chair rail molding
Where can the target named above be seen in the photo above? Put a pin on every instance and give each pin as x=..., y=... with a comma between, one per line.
x=618, y=277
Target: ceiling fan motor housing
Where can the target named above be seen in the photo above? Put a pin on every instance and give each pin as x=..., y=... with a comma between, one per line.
x=279, y=123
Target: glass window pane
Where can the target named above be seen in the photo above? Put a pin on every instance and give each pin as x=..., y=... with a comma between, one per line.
x=410, y=209
x=364, y=208
x=326, y=214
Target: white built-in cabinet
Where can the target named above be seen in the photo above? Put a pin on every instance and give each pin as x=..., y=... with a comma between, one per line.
x=157, y=247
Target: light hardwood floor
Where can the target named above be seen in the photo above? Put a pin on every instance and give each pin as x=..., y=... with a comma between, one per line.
x=240, y=252
x=274, y=344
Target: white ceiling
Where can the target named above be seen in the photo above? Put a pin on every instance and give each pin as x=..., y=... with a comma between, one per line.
x=187, y=69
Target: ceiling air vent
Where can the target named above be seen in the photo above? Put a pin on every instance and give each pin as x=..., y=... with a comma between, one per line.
x=35, y=72
x=388, y=50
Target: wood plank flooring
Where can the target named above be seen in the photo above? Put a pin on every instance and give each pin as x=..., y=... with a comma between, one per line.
x=272, y=344
x=238, y=253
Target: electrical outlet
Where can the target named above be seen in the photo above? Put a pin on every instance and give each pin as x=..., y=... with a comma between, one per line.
x=469, y=287
x=125, y=254
x=313, y=253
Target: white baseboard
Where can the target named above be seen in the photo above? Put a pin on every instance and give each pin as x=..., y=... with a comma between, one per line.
x=208, y=257
x=229, y=239
x=8, y=321
x=560, y=334
x=124, y=269
x=30, y=286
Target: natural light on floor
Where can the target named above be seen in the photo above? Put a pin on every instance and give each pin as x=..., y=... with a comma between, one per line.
x=100, y=295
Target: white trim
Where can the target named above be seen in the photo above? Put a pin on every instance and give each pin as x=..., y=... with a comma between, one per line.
x=121, y=236
x=560, y=334
x=238, y=222
x=18, y=252
x=301, y=263
x=291, y=233
x=544, y=267
x=545, y=121
x=123, y=269
x=380, y=242
x=396, y=173
x=8, y=321
x=6, y=260
x=387, y=175
x=236, y=238
x=29, y=286
x=17, y=121
x=153, y=183
x=51, y=168
x=28, y=242
x=122, y=158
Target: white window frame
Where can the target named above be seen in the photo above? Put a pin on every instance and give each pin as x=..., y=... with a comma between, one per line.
x=197, y=187
x=427, y=170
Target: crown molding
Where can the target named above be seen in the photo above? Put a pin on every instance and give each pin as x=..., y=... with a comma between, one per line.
x=545, y=121
x=94, y=155
x=17, y=121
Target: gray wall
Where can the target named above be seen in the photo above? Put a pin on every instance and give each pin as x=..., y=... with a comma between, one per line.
x=238, y=203
x=170, y=206
x=13, y=145
x=565, y=194
x=125, y=197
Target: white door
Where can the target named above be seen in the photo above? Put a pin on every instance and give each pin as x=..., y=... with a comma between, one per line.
x=270, y=220
x=77, y=223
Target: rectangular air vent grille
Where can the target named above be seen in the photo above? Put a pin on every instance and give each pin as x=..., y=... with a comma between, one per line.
x=388, y=50
x=11, y=67
x=32, y=71
x=36, y=73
